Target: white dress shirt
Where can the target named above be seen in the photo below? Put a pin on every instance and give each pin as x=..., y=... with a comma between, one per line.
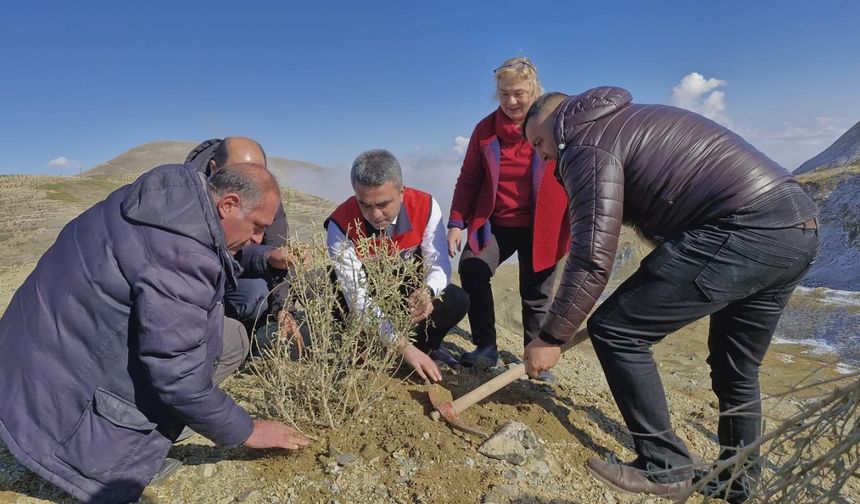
x=351, y=276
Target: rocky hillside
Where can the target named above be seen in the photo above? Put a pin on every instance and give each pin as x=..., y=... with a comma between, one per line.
x=836, y=191
x=845, y=151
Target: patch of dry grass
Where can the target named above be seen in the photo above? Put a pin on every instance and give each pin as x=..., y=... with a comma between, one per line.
x=343, y=367
x=809, y=457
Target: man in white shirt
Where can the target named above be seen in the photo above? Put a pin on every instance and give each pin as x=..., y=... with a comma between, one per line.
x=412, y=221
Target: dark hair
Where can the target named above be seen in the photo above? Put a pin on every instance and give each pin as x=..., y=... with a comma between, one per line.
x=249, y=181
x=375, y=167
x=538, y=106
x=222, y=152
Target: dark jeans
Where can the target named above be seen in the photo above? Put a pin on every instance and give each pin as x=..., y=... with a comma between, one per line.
x=247, y=302
x=476, y=270
x=742, y=278
x=448, y=310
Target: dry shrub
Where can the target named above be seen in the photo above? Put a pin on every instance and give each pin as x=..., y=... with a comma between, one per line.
x=809, y=457
x=343, y=367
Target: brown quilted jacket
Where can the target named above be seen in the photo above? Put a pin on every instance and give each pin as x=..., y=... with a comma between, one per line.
x=655, y=167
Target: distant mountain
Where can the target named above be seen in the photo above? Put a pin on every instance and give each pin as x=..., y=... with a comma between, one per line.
x=147, y=156
x=845, y=151
x=836, y=191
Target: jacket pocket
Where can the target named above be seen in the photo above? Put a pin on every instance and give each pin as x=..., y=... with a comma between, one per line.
x=107, y=436
x=741, y=268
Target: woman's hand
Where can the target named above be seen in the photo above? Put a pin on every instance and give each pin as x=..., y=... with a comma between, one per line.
x=454, y=241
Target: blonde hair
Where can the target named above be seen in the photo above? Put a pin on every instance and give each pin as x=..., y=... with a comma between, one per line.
x=521, y=69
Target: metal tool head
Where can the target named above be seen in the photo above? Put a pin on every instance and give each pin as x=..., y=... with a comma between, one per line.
x=446, y=411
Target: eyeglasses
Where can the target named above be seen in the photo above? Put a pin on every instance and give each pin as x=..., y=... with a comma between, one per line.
x=518, y=64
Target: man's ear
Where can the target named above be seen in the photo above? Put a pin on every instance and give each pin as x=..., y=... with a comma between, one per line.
x=228, y=203
x=213, y=166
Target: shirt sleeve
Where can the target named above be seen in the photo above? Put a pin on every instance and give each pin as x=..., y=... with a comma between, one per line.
x=434, y=249
x=353, y=281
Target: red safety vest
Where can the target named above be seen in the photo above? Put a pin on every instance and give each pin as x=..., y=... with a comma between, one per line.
x=408, y=233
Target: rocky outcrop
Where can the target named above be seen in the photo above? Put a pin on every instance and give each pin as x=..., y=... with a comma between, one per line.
x=836, y=191
x=844, y=151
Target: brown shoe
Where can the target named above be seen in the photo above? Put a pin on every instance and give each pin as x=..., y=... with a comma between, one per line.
x=625, y=478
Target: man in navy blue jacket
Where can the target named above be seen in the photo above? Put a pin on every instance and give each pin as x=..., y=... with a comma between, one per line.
x=116, y=339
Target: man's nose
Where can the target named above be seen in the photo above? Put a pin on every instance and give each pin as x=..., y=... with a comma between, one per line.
x=257, y=237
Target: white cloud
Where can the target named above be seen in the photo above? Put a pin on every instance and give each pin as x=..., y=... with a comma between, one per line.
x=436, y=174
x=64, y=162
x=791, y=144
x=703, y=96
x=822, y=129
x=460, y=145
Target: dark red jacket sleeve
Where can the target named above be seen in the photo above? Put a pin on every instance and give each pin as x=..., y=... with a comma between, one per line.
x=468, y=183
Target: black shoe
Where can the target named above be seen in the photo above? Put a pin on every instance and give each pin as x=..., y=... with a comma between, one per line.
x=441, y=355
x=168, y=467
x=546, y=377
x=484, y=356
x=733, y=490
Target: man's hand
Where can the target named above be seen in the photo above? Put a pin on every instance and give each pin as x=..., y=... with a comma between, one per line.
x=269, y=434
x=540, y=356
x=293, y=255
x=289, y=329
x=420, y=305
x=420, y=362
x=454, y=241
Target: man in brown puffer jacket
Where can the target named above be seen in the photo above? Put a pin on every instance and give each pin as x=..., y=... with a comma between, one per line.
x=736, y=234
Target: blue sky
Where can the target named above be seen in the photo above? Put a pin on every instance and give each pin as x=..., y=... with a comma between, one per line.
x=323, y=81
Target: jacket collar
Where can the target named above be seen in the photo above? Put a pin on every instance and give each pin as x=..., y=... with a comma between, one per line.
x=199, y=156
x=587, y=107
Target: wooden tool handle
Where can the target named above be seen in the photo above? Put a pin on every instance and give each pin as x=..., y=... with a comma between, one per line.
x=511, y=375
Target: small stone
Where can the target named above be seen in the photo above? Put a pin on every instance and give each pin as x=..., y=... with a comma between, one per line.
x=426, y=435
x=515, y=474
x=345, y=458
x=501, y=494
x=541, y=468
x=209, y=470
x=335, y=488
x=250, y=495
x=515, y=442
x=470, y=462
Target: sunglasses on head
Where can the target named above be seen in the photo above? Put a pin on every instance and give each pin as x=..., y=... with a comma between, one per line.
x=518, y=64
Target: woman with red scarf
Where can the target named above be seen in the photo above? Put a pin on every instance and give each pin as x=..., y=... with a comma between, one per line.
x=507, y=200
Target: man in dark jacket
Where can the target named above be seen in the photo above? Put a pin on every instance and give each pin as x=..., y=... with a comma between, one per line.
x=264, y=265
x=115, y=340
x=737, y=235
